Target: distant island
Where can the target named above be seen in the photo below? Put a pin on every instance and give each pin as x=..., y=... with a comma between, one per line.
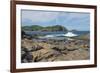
x=41, y=28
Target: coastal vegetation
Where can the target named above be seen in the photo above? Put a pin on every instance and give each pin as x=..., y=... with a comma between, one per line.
x=41, y=28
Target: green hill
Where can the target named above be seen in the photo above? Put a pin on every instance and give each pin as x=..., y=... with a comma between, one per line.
x=41, y=28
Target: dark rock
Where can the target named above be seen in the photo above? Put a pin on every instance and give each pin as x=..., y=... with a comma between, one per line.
x=29, y=57
x=26, y=56
x=22, y=34
x=37, y=47
x=56, y=48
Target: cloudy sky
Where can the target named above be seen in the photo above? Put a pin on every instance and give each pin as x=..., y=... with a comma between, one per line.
x=71, y=20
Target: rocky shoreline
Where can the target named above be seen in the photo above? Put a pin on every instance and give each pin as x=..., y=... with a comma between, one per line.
x=54, y=50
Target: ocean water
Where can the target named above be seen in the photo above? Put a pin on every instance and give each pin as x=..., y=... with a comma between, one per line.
x=81, y=32
x=55, y=33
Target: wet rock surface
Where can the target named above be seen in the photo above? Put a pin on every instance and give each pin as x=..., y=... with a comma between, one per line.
x=38, y=51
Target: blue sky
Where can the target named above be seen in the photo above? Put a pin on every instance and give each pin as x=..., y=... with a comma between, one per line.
x=70, y=20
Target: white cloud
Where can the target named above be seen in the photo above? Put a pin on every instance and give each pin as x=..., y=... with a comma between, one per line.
x=38, y=16
x=46, y=16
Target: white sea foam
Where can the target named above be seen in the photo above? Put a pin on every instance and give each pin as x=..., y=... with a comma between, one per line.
x=70, y=34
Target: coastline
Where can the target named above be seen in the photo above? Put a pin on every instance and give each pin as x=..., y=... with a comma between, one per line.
x=55, y=50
